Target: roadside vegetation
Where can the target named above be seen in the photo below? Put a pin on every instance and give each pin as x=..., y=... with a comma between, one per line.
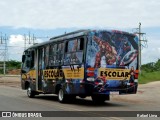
x=150, y=72
x=12, y=66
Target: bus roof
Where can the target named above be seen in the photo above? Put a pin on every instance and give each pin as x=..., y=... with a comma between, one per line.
x=71, y=34
x=74, y=34
x=62, y=37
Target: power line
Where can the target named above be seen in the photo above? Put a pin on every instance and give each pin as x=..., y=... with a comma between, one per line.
x=30, y=40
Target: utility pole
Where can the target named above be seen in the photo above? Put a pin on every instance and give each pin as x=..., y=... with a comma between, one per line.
x=139, y=45
x=5, y=53
x=140, y=35
x=3, y=50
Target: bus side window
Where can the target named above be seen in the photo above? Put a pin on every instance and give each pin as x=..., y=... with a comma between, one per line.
x=60, y=53
x=74, y=51
x=53, y=55
x=54, y=49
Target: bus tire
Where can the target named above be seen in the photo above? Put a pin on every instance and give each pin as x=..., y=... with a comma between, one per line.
x=99, y=99
x=62, y=97
x=30, y=92
x=71, y=98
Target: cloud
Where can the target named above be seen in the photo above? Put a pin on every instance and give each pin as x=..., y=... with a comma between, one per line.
x=55, y=14
x=51, y=14
x=16, y=40
x=152, y=52
x=17, y=45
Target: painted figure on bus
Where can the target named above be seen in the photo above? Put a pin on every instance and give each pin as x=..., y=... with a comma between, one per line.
x=106, y=50
x=126, y=47
x=122, y=46
x=132, y=73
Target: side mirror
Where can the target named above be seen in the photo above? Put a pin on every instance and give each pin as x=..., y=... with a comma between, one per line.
x=23, y=58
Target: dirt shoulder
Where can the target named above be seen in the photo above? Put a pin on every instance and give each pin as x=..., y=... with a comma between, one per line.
x=149, y=92
x=11, y=81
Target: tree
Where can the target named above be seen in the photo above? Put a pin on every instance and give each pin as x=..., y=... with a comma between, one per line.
x=151, y=67
x=13, y=64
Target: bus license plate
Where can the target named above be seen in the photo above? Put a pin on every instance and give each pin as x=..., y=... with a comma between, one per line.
x=114, y=93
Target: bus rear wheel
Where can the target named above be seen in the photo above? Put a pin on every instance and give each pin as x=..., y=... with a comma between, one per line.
x=62, y=97
x=99, y=99
x=30, y=93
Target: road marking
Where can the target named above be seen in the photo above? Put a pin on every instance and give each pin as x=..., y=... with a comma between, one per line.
x=111, y=118
x=116, y=118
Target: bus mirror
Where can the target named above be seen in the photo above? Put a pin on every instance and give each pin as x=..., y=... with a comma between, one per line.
x=23, y=58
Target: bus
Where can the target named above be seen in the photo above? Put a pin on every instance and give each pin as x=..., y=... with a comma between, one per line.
x=84, y=63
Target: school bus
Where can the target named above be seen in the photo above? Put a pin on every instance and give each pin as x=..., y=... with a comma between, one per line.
x=83, y=63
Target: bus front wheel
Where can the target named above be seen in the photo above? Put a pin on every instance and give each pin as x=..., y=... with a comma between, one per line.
x=30, y=93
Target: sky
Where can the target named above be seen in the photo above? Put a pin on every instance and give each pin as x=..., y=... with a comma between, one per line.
x=48, y=18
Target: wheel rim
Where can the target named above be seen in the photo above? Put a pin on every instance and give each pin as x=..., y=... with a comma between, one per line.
x=60, y=95
x=29, y=91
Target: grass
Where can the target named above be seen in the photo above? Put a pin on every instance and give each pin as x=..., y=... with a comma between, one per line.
x=146, y=77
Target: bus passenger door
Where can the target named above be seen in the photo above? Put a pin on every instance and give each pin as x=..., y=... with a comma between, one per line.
x=40, y=67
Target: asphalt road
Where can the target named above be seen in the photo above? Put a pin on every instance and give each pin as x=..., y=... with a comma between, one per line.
x=12, y=98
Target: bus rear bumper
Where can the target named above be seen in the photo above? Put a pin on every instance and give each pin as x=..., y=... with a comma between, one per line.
x=130, y=89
